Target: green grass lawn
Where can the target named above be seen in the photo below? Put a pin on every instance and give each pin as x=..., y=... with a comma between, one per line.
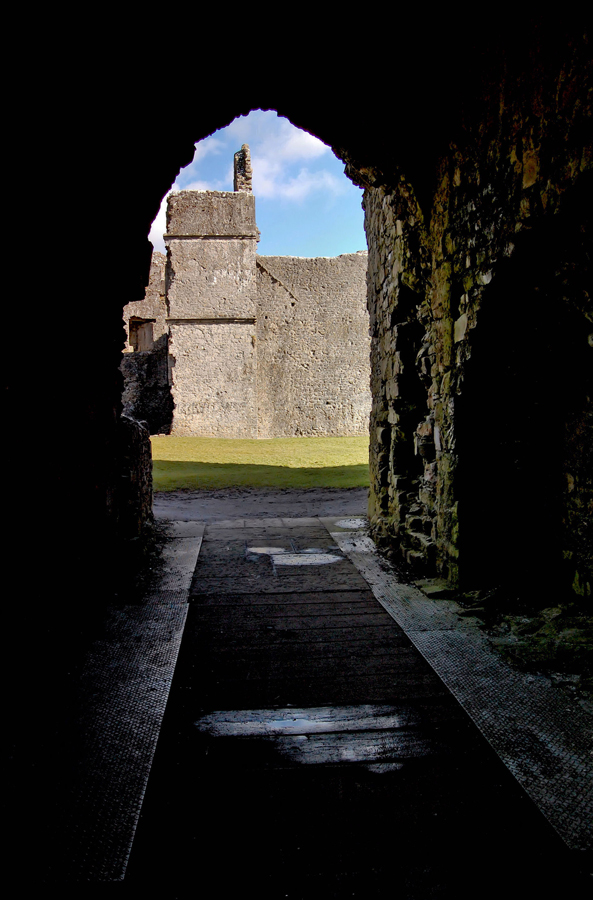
x=192, y=463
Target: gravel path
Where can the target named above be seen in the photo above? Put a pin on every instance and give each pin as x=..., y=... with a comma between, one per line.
x=237, y=503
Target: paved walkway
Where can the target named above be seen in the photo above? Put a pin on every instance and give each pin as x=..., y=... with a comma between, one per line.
x=308, y=745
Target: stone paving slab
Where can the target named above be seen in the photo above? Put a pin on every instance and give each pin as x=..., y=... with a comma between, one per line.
x=127, y=678
x=345, y=636
x=306, y=521
x=544, y=738
x=371, y=645
x=334, y=597
x=295, y=523
x=277, y=608
x=245, y=523
x=303, y=581
x=278, y=620
x=221, y=530
x=125, y=685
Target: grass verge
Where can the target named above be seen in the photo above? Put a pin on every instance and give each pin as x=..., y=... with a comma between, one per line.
x=194, y=463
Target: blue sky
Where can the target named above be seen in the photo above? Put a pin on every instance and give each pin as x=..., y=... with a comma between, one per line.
x=304, y=204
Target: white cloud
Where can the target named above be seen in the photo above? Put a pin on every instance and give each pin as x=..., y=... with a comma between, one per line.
x=252, y=128
x=158, y=227
x=270, y=135
x=193, y=174
x=271, y=180
x=199, y=185
x=210, y=145
x=292, y=144
x=277, y=148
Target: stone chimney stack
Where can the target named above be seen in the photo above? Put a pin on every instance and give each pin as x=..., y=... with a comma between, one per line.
x=242, y=179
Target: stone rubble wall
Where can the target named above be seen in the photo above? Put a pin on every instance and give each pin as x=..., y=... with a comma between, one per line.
x=153, y=306
x=146, y=394
x=397, y=277
x=508, y=242
x=135, y=478
x=243, y=173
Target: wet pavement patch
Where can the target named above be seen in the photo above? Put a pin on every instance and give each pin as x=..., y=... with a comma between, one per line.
x=351, y=523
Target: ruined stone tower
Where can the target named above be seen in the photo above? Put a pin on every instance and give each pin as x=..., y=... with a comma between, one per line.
x=258, y=346
x=242, y=170
x=211, y=240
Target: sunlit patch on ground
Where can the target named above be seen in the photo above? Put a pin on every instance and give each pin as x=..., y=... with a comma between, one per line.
x=282, y=557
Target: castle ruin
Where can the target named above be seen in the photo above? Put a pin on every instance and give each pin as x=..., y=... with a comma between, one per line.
x=231, y=344
x=474, y=142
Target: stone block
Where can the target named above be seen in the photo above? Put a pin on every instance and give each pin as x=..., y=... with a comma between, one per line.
x=211, y=279
x=459, y=328
x=212, y=214
x=214, y=379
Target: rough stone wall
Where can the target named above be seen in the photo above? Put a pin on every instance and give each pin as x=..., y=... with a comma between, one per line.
x=481, y=368
x=401, y=499
x=313, y=346
x=153, y=305
x=135, y=477
x=215, y=378
x=146, y=394
x=243, y=173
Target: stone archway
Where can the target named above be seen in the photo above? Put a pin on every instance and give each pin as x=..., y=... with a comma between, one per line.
x=129, y=133
x=114, y=136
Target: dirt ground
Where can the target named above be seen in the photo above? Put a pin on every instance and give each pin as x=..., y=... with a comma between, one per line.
x=239, y=503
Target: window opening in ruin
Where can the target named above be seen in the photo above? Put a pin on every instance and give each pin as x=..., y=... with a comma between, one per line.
x=141, y=334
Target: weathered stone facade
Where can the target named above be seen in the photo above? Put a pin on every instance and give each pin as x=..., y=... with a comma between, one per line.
x=481, y=319
x=258, y=347
x=145, y=365
x=317, y=382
